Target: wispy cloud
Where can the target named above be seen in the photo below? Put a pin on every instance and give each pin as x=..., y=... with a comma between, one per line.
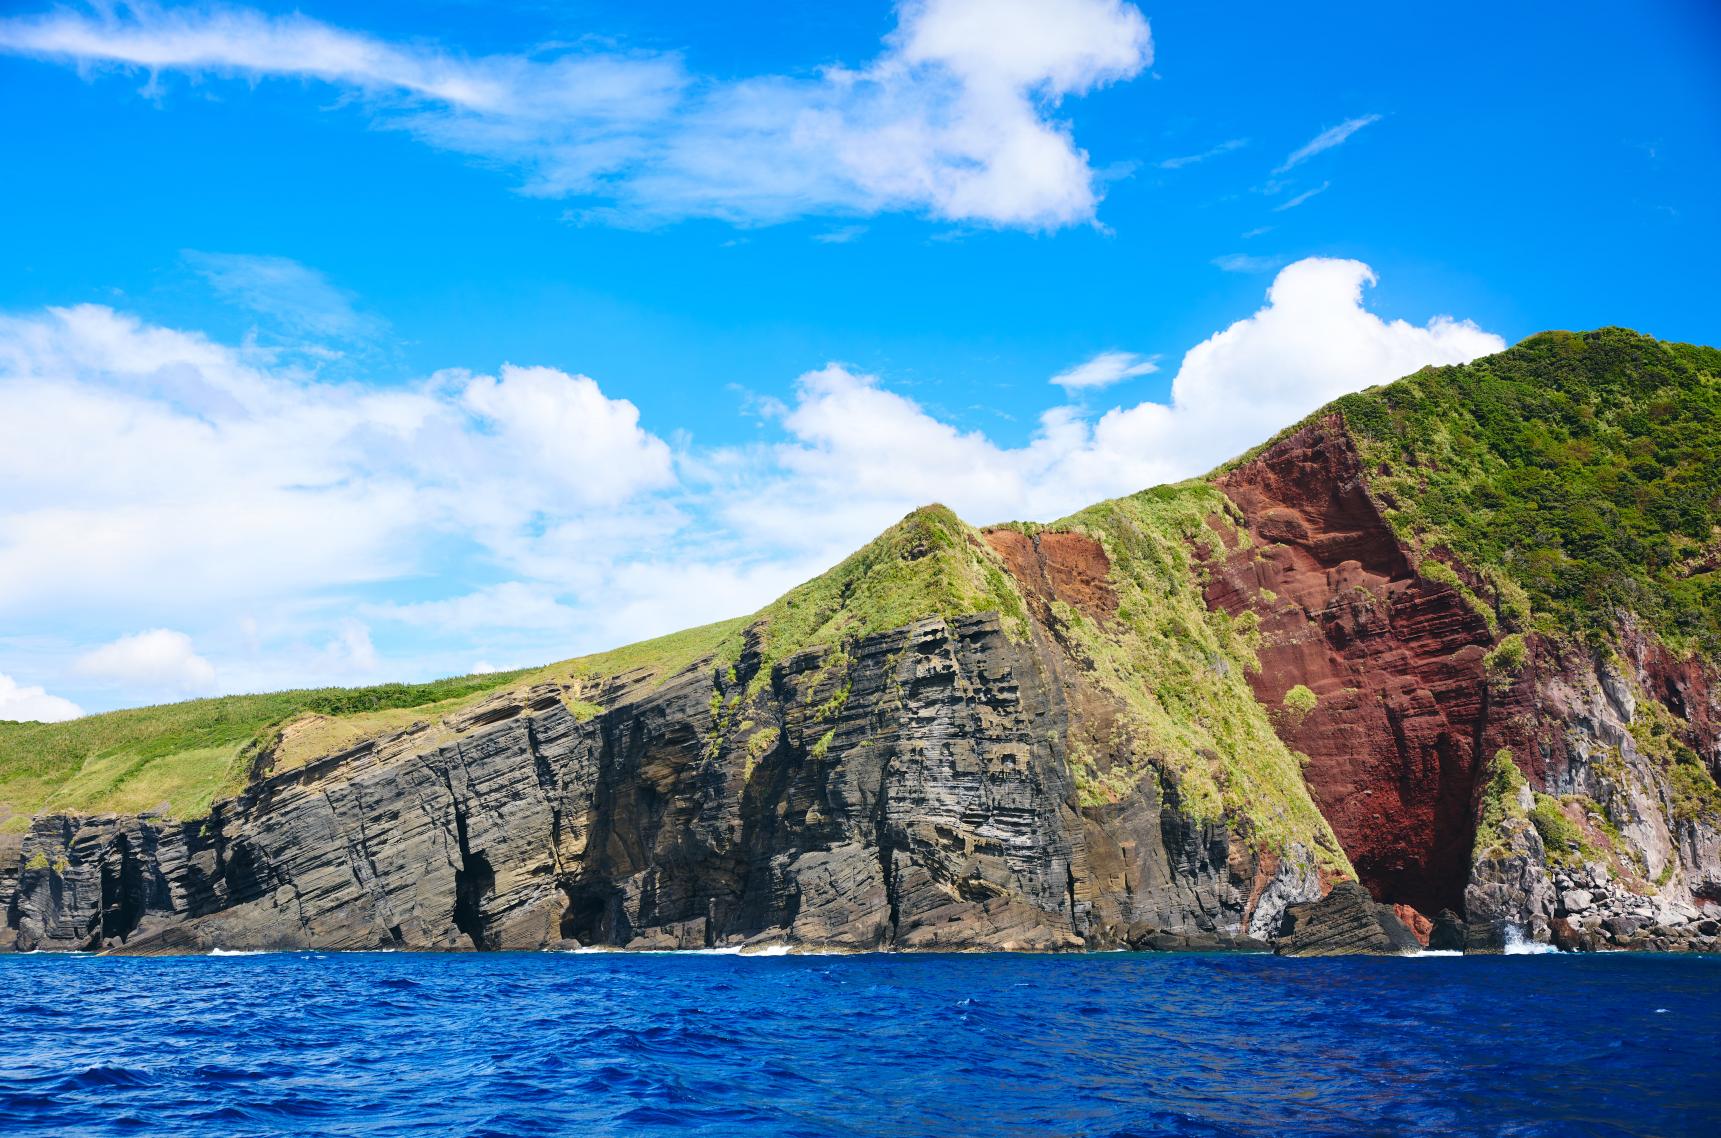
x=1247, y=263
x=1301, y=198
x=840, y=236
x=1103, y=370
x=1258, y=231
x=953, y=118
x=1326, y=140
x=297, y=297
x=1213, y=152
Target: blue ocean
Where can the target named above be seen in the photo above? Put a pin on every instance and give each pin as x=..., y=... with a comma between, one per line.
x=1119, y=1044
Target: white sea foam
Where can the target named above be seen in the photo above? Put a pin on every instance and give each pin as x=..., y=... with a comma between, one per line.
x=1517, y=945
x=723, y=950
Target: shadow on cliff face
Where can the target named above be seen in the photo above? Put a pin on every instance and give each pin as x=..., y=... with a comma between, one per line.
x=474, y=881
x=1402, y=712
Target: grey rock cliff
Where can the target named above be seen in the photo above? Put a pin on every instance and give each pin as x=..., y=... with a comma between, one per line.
x=909, y=793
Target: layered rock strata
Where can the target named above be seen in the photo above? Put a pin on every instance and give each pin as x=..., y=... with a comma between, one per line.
x=929, y=807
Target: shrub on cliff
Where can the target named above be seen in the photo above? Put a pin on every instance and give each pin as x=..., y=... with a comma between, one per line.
x=1561, y=837
x=1506, y=659
x=1501, y=810
x=1299, y=701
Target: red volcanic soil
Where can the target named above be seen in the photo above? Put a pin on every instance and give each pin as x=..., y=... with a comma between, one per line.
x=1051, y=566
x=1404, y=710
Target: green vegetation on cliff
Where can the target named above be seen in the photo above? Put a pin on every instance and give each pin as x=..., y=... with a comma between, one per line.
x=1577, y=469
x=1179, y=674
x=1569, y=477
x=182, y=757
x=931, y=563
x=1501, y=814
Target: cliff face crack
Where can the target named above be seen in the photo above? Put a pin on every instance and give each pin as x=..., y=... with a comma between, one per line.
x=885, y=846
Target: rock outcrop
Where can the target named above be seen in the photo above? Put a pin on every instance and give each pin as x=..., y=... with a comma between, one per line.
x=1346, y=922
x=1401, y=709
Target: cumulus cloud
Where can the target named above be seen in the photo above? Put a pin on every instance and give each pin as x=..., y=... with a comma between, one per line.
x=33, y=704
x=560, y=432
x=954, y=118
x=859, y=451
x=157, y=477
x=158, y=659
x=208, y=474
x=1103, y=370
x=1326, y=140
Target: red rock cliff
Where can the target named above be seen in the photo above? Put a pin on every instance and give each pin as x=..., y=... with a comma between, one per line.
x=1403, y=708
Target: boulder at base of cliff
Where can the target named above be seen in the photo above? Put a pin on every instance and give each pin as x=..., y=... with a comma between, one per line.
x=1346, y=922
x=1448, y=933
x=1146, y=938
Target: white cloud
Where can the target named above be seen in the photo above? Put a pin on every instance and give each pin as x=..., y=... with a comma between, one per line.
x=508, y=605
x=860, y=455
x=306, y=532
x=842, y=235
x=1103, y=370
x=1326, y=140
x=560, y=433
x=27, y=704
x=1225, y=147
x=208, y=474
x=158, y=659
x=953, y=118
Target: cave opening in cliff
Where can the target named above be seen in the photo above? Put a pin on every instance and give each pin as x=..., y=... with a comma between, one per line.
x=473, y=882
x=592, y=914
x=124, y=893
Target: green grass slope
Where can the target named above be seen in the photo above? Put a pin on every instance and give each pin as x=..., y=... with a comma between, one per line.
x=181, y=756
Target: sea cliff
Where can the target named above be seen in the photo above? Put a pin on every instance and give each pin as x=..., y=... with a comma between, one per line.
x=1375, y=686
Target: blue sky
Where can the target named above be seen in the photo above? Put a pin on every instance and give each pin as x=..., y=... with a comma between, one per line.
x=762, y=277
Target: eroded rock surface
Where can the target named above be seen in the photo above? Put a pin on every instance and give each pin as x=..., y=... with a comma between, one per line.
x=1346, y=922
